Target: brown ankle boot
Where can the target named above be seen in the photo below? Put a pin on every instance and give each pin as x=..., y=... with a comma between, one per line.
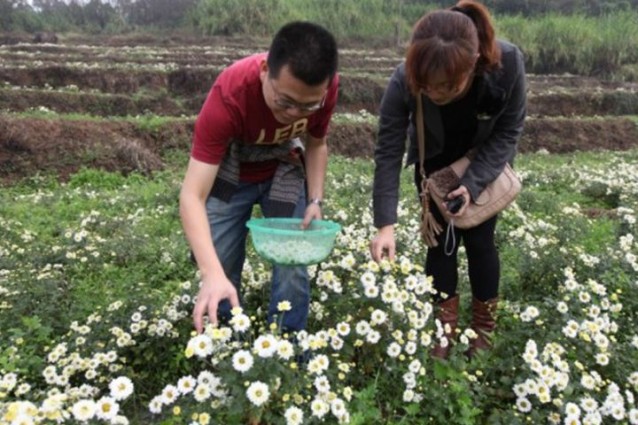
x=483, y=323
x=448, y=314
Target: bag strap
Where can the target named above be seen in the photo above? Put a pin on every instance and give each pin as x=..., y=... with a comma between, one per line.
x=430, y=228
x=420, y=133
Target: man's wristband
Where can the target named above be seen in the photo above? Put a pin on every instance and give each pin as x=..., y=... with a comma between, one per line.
x=316, y=201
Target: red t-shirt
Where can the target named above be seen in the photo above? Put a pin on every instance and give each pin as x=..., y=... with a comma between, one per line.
x=235, y=109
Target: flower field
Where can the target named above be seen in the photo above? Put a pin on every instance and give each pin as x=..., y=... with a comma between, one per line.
x=96, y=284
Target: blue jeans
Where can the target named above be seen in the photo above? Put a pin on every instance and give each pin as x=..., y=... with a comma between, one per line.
x=228, y=228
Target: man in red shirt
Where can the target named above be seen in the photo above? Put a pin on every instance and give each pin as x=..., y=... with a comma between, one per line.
x=245, y=152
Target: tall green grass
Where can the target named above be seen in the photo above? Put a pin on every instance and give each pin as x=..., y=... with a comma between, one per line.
x=576, y=44
x=553, y=43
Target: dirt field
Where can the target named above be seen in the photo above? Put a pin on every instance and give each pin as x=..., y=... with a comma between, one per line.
x=93, y=87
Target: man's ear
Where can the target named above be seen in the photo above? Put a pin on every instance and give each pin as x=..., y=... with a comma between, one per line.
x=263, y=70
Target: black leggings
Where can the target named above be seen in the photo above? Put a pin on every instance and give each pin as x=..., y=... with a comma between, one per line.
x=482, y=257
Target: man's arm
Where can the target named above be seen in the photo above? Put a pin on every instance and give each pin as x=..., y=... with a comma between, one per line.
x=316, y=163
x=197, y=184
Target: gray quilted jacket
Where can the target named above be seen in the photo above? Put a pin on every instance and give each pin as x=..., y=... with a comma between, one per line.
x=500, y=110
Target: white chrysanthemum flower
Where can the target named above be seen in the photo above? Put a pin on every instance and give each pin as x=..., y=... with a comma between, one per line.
x=283, y=306
x=322, y=384
x=258, y=393
x=23, y=389
x=155, y=405
x=414, y=366
x=592, y=418
x=347, y=261
x=319, y=408
x=470, y=333
x=240, y=322
x=618, y=411
x=121, y=388
x=285, y=349
x=572, y=420
x=543, y=393
x=562, y=307
x=378, y=317
x=602, y=359
x=202, y=392
x=338, y=408
x=572, y=409
x=120, y=420
x=588, y=382
x=169, y=394
x=347, y=393
x=523, y=404
x=21, y=419
x=601, y=341
x=318, y=364
x=584, y=297
x=265, y=345
x=529, y=314
x=83, y=410
x=294, y=416
x=362, y=327
x=242, y=361
x=570, y=330
x=394, y=349
x=425, y=339
x=588, y=404
x=520, y=390
x=409, y=379
x=107, y=408
x=186, y=384
x=368, y=279
x=373, y=337
x=201, y=345
x=205, y=377
x=371, y=291
x=343, y=328
x=530, y=386
x=410, y=348
x=408, y=395
x=336, y=343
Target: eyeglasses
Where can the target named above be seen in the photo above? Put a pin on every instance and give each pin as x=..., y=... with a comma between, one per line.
x=284, y=103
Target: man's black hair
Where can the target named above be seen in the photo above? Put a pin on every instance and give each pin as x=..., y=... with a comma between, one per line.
x=309, y=50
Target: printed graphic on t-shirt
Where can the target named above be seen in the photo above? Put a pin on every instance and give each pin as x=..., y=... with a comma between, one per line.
x=284, y=133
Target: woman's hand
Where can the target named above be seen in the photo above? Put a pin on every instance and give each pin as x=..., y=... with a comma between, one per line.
x=460, y=191
x=383, y=243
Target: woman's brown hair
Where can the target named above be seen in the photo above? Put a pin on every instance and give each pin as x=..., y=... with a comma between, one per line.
x=449, y=40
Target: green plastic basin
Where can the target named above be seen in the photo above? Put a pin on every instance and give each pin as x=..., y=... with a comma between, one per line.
x=282, y=241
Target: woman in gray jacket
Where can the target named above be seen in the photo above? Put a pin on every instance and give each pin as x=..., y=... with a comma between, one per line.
x=474, y=97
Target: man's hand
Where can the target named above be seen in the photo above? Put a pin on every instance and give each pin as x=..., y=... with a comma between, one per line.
x=313, y=212
x=383, y=243
x=211, y=293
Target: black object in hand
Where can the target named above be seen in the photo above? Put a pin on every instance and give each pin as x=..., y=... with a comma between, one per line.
x=455, y=204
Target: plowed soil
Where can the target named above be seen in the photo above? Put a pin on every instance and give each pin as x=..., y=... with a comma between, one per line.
x=566, y=113
x=51, y=146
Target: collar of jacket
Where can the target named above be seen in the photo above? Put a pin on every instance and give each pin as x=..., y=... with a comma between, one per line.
x=492, y=92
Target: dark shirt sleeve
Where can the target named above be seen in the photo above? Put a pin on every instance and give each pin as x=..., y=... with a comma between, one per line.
x=500, y=147
x=394, y=116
